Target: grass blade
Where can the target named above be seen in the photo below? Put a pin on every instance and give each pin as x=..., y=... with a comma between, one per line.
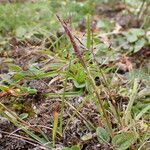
x=133, y=95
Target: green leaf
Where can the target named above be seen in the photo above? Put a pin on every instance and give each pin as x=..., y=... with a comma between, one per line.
x=131, y=37
x=86, y=137
x=10, y=116
x=66, y=148
x=102, y=135
x=139, y=44
x=133, y=96
x=27, y=90
x=142, y=112
x=145, y=92
x=20, y=32
x=138, y=32
x=15, y=68
x=76, y=147
x=67, y=94
x=123, y=140
x=133, y=34
x=23, y=116
x=78, y=85
x=105, y=24
x=77, y=75
x=4, y=88
x=18, y=76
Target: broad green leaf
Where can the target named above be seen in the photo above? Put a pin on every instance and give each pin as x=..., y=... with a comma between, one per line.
x=133, y=34
x=139, y=44
x=102, y=135
x=126, y=46
x=20, y=32
x=131, y=37
x=105, y=24
x=137, y=31
x=124, y=140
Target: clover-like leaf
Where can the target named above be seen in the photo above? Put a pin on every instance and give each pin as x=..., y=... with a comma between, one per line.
x=131, y=37
x=20, y=32
x=138, y=32
x=139, y=44
x=123, y=140
x=102, y=135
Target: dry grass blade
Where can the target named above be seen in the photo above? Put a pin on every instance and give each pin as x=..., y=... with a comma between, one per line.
x=25, y=139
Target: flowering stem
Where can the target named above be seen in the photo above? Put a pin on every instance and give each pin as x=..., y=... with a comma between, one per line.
x=80, y=57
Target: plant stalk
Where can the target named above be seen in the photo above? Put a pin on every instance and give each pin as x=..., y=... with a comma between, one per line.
x=83, y=63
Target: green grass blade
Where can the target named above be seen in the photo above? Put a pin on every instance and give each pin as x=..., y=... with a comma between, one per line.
x=63, y=100
x=67, y=94
x=133, y=95
x=142, y=112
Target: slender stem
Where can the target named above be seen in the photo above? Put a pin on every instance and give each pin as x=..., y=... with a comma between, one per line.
x=63, y=101
x=101, y=104
x=111, y=98
x=83, y=63
x=108, y=90
x=141, y=9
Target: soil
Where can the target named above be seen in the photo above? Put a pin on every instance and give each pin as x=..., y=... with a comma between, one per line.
x=41, y=109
